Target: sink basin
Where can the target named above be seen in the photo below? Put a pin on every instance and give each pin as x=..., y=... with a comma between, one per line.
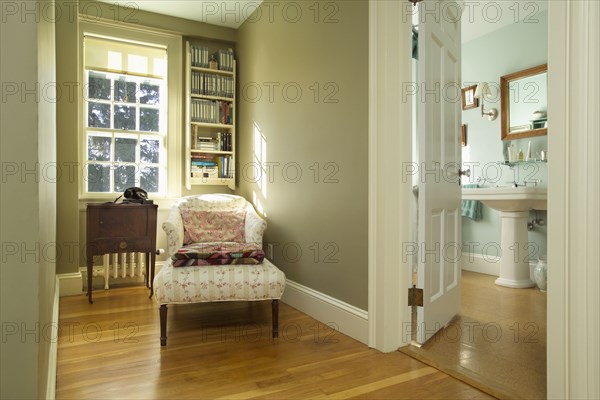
x=509, y=198
x=514, y=204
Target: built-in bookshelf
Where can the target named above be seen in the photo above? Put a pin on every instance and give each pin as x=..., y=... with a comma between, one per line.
x=210, y=115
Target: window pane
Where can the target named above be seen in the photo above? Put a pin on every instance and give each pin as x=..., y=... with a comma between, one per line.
x=149, y=179
x=149, y=94
x=148, y=120
x=125, y=91
x=149, y=151
x=98, y=86
x=125, y=149
x=98, y=178
x=98, y=115
x=124, y=177
x=125, y=117
x=99, y=148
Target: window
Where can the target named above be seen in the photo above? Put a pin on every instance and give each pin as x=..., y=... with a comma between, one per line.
x=131, y=111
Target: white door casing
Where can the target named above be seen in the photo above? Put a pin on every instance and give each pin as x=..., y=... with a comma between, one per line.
x=439, y=121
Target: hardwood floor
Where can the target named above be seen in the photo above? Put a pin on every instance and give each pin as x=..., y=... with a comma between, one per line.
x=498, y=343
x=111, y=349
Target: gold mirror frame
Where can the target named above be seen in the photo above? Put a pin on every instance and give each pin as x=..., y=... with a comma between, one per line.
x=505, y=104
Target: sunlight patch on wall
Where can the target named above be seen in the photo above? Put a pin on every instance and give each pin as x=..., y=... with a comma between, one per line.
x=259, y=161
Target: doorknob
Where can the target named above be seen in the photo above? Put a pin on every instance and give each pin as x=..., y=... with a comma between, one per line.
x=466, y=172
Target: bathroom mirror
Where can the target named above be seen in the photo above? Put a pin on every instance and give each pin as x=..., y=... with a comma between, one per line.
x=524, y=103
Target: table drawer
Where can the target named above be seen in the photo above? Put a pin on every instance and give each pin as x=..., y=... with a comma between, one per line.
x=119, y=245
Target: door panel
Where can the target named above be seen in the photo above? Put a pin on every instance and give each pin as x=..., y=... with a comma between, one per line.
x=439, y=219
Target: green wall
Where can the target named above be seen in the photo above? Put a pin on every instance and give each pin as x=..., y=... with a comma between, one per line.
x=487, y=58
x=314, y=123
x=27, y=205
x=71, y=211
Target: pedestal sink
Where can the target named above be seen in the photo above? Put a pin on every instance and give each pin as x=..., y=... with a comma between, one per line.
x=514, y=204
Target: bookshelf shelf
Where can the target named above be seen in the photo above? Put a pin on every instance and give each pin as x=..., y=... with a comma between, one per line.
x=212, y=71
x=194, y=151
x=211, y=98
x=211, y=125
x=201, y=96
x=213, y=181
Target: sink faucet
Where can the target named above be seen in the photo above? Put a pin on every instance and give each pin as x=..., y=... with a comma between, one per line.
x=534, y=181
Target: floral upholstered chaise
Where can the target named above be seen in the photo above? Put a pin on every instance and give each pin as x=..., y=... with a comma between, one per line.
x=215, y=254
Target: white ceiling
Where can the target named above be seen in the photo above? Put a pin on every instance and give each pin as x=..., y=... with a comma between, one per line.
x=479, y=18
x=484, y=16
x=228, y=13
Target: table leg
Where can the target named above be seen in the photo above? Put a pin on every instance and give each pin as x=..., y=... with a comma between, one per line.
x=152, y=268
x=90, y=271
x=146, y=277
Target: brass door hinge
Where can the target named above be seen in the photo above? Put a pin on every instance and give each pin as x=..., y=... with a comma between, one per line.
x=415, y=297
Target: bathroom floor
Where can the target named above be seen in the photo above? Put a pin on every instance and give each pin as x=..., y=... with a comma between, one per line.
x=497, y=343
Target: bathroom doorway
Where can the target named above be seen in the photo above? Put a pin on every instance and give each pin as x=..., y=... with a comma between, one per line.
x=498, y=341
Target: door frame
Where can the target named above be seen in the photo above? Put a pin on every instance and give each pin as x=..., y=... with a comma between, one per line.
x=390, y=131
x=572, y=348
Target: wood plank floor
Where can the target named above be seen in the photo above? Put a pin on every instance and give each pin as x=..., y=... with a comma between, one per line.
x=497, y=343
x=111, y=350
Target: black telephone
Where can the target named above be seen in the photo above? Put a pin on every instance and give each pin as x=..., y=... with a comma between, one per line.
x=135, y=195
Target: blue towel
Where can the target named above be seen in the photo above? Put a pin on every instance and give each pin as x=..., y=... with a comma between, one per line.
x=471, y=208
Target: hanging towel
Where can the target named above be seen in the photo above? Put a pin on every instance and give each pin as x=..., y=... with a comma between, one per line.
x=471, y=208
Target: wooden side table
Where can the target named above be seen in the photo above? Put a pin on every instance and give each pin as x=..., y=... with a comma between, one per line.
x=119, y=228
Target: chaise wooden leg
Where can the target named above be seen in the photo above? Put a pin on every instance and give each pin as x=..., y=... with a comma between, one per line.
x=275, y=306
x=163, y=325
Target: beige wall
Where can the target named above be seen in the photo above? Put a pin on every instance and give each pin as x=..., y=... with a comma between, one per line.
x=28, y=206
x=287, y=51
x=71, y=214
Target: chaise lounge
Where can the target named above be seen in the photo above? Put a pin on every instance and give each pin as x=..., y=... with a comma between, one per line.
x=215, y=255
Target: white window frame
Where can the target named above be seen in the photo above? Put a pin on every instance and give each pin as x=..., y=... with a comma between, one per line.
x=173, y=43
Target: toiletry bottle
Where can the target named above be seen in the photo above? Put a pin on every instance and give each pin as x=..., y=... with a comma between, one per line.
x=520, y=154
x=511, y=153
x=528, y=154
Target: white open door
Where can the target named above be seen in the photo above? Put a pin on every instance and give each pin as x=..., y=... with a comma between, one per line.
x=439, y=127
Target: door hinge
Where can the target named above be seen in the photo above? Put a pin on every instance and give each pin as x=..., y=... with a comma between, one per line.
x=415, y=297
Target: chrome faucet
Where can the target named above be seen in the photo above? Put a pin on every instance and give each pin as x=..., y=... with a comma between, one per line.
x=533, y=181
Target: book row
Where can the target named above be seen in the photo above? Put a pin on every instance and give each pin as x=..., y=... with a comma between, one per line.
x=212, y=85
x=221, y=143
x=220, y=167
x=201, y=57
x=215, y=112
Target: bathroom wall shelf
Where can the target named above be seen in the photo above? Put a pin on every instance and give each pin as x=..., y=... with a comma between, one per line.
x=512, y=164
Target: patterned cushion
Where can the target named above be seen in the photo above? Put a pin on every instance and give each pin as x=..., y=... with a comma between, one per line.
x=213, y=226
x=218, y=283
x=218, y=254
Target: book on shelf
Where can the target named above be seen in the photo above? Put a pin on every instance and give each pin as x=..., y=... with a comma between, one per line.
x=224, y=139
x=206, y=84
x=220, y=167
x=224, y=166
x=225, y=59
x=200, y=57
x=204, y=172
x=212, y=111
x=206, y=143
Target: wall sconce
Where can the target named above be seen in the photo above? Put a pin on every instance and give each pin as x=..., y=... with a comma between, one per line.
x=481, y=92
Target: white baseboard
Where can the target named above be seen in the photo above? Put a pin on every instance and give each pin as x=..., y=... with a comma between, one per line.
x=348, y=319
x=53, y=358
x=486, y=265
x=70, y=284
x=75, y=283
